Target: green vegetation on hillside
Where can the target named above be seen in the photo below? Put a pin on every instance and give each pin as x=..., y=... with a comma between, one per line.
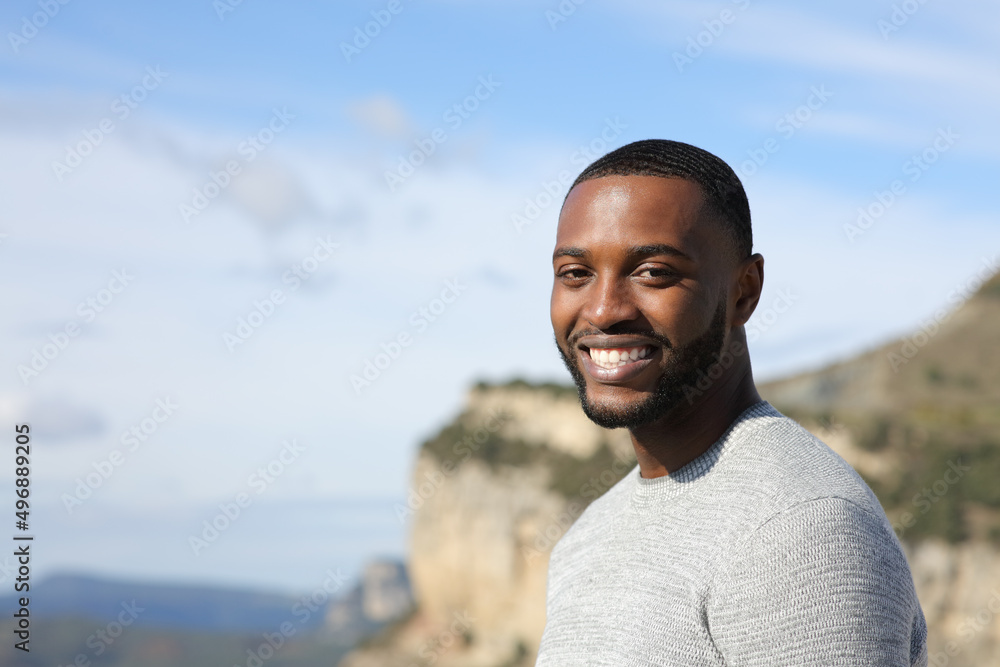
x=466, y=439
x=930, y=408
x=944, y=455
x=992, y=288
x=551, y=388
x=946, y=465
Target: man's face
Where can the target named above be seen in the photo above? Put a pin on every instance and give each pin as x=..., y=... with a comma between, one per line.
x=639, y=302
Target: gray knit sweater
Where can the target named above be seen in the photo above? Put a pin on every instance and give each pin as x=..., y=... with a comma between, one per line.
x=768, y=549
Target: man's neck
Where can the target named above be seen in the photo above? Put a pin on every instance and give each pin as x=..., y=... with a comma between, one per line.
x=685, y=433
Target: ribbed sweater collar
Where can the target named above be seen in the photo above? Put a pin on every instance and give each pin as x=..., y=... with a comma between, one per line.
x=645, y=491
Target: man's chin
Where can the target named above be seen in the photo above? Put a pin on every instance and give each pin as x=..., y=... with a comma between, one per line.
x=631, y=410
x=612, y=406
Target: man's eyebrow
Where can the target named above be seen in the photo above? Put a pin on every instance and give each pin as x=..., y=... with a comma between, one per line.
x=634, y=251
x=657, y=249
x=569, y=251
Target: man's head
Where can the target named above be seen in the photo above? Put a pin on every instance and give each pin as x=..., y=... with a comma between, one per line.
x=653, y=260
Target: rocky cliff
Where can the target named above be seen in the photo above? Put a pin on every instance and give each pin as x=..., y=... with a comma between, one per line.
x=491, y=495
x=381, y=596
x=919, y=418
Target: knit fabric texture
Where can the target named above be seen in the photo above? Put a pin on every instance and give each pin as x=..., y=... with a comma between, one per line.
x=768, y=549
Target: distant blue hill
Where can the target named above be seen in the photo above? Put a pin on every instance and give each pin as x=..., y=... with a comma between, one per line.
x=185, y=607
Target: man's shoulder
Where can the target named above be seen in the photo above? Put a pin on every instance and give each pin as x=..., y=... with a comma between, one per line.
x=767, y=532
x=776, y=463
x=766, y=464
x=779, y=475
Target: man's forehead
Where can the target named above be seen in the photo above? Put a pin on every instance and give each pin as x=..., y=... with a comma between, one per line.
x=614, y=208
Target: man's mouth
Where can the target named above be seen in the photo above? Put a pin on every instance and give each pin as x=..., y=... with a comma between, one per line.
x=613, y=357
x=613, y=360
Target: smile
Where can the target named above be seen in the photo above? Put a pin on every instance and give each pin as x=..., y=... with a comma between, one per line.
x=619, y=356
x=613, y=365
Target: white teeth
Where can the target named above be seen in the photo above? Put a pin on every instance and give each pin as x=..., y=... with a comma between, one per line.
x=614, y=358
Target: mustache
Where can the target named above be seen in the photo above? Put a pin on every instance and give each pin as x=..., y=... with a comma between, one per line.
x=645, y=333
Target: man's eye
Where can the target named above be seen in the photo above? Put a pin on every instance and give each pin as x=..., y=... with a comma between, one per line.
x=658, y=272
x=573, y=274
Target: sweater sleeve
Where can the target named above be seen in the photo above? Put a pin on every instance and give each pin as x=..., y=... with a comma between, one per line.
x=823, y=583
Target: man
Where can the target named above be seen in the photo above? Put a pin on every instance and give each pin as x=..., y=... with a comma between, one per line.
x=740, y=538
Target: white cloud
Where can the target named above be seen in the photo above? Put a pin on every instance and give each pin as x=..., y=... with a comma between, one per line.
x=801, y=41
x=53, y=418
x=383, y=115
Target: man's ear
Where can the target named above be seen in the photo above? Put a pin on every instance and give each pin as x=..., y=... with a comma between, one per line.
x=745, y=291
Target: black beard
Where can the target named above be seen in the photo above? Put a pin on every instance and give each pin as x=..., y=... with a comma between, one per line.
x=684, y=368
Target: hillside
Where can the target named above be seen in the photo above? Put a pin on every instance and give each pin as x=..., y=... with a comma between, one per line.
x=904, y=413
x=948, y=370
x=82, y=620
x=495, y=489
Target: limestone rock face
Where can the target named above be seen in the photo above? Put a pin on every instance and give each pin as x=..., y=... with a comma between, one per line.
x=959, y=590
x=471, y=553
x=491, y=495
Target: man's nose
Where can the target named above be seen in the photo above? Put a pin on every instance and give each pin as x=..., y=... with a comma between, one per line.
x=611, y=301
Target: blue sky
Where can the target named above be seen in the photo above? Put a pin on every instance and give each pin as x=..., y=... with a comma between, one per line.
x=821, y=109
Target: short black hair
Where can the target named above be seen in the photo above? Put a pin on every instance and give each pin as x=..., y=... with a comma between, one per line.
x=720, y=185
